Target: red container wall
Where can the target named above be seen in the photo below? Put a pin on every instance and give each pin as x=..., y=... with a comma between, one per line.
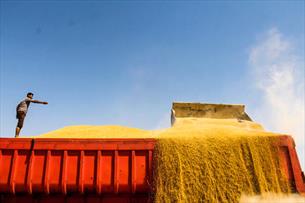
x=75, y=165
x=290, y=164
x=104, y=198
x=94, y=170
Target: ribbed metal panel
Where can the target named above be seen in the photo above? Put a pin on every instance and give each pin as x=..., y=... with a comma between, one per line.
x=75, y=165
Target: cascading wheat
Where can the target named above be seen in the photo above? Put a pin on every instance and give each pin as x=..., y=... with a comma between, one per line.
x=203, y=161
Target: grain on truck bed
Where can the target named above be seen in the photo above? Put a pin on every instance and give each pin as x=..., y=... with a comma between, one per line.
x=202, y=159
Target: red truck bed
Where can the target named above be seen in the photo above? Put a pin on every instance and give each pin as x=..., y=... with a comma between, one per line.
x=115, y=168
x=93, y=170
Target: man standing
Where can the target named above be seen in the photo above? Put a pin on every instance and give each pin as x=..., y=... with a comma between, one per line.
x=22, y=109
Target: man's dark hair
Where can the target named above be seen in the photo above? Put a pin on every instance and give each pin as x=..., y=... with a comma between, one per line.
x=29, y=93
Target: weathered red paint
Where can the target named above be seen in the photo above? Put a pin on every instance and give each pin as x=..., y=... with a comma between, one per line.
x=75, y=198
x=290, y=163
x=76, y=166
x=93, y=170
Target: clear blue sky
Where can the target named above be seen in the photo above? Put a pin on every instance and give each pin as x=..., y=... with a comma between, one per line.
x=124, y=63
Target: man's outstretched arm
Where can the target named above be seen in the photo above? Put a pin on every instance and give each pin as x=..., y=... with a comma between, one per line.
x=39, y=102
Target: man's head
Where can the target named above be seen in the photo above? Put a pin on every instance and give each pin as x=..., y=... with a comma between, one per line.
x=30, y=95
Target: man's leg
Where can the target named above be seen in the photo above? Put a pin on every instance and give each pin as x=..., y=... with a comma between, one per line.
x=17, y=131
x=20, y=116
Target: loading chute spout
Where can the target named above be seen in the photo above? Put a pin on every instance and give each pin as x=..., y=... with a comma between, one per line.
x=205, y=110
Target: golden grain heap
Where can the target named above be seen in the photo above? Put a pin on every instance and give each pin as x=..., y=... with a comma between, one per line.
x=215, y=160
x=203, y=159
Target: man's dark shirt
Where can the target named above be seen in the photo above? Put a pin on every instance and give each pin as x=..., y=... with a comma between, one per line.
x=24, y=105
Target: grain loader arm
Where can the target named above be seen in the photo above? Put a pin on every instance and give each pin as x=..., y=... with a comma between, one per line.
x=205, y=110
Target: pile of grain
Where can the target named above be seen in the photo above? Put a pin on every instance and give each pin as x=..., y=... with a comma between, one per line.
x=209, y=160
x=89, y=131
x=203, y=160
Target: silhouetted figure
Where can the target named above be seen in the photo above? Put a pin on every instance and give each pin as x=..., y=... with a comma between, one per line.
x=22, y=109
